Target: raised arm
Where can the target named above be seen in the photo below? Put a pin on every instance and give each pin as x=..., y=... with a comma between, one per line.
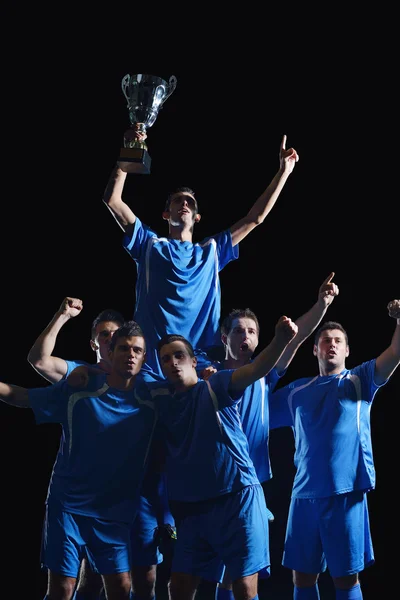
x=389, y=360
x=243, y=376
x=14, y=395
x=264, y=204
x=112, y=197
x=308, y=322
x=40, y=355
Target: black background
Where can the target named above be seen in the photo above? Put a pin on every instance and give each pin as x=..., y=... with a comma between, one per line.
x=64, y=115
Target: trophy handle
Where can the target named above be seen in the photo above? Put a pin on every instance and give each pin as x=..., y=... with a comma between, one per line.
x=171, y=86
x=125, y=84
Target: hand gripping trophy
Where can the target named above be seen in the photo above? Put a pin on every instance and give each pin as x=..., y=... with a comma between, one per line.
x=145, y=95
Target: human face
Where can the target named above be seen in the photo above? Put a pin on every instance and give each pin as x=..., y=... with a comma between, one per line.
x=331, y=351
x=102, y=339
x=182, y=209
x=177, y=365
x=242, y=340
x=128, y=356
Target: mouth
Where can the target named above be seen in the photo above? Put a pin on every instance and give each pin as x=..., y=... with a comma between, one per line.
x=244, y=347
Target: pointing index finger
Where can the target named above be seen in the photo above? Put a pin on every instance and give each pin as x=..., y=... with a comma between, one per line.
x=283, y=143
x=329, y=278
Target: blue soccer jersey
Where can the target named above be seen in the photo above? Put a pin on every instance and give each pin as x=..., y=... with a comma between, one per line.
x=254, y=413
x=331, y=422
x=106, y=436
x=207, y=450
x=178, y=287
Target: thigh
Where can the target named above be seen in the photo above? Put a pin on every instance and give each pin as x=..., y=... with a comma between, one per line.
x=245, y=587
x=303, y=546
x=118, y=585
x=60, y=586
x=345, y=533
x=183, y=586
x=90, y=582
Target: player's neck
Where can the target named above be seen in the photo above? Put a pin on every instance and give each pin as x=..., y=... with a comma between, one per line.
x=181, y=234
x=232, y=363
x=325, y=371
x=184, y=386
x=120, y=383
x=104, y=365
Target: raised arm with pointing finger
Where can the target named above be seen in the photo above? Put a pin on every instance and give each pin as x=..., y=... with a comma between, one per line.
x=331, y=418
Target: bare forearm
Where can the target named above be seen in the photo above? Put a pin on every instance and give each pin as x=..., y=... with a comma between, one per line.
x=14, y=395
x=389, y=360
x=115, y=186
x=260, y=208
x=306, y=324
x=113, y=199
x=266, y=201
x=46, y=341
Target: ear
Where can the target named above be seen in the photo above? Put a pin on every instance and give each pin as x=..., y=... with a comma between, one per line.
x=315, y=350
x=165, y=215
x=224, y=338
x=94, y=346
x=347, y=351
x=197, y=218
x=194, y=362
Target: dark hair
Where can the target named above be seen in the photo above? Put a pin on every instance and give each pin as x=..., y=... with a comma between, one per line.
x=128, y=329
x=174, y=337
x=108, y=314
x=238, y=313
x=178, y=190
x=330, y=325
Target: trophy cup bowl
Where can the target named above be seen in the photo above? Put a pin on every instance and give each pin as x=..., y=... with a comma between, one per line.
x=145, y=95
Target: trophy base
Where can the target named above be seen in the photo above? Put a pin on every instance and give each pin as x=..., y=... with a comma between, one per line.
x=134, y=160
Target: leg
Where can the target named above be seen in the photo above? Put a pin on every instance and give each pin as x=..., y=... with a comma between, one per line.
x=245, y=588
x=60, y=587
x=183, y=586
x=89, y=583
x=144, y=582
x=117, y=586
x=224, y=589
x=305, y=586
x=348, y=587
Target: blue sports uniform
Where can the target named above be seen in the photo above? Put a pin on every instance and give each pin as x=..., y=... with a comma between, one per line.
x=254, y=413
x=178, y=287
x=214, y=491
x=328, y=517
x=97, y=475
x=153, y=509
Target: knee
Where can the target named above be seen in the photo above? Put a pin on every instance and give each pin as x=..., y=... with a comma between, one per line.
x=346, y=582
x=144, y=581
x=302, y=580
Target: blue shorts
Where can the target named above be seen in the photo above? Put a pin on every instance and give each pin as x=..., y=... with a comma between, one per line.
x=144, y=540
x=231, y=530
x=331, y=532
x=67, y=538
